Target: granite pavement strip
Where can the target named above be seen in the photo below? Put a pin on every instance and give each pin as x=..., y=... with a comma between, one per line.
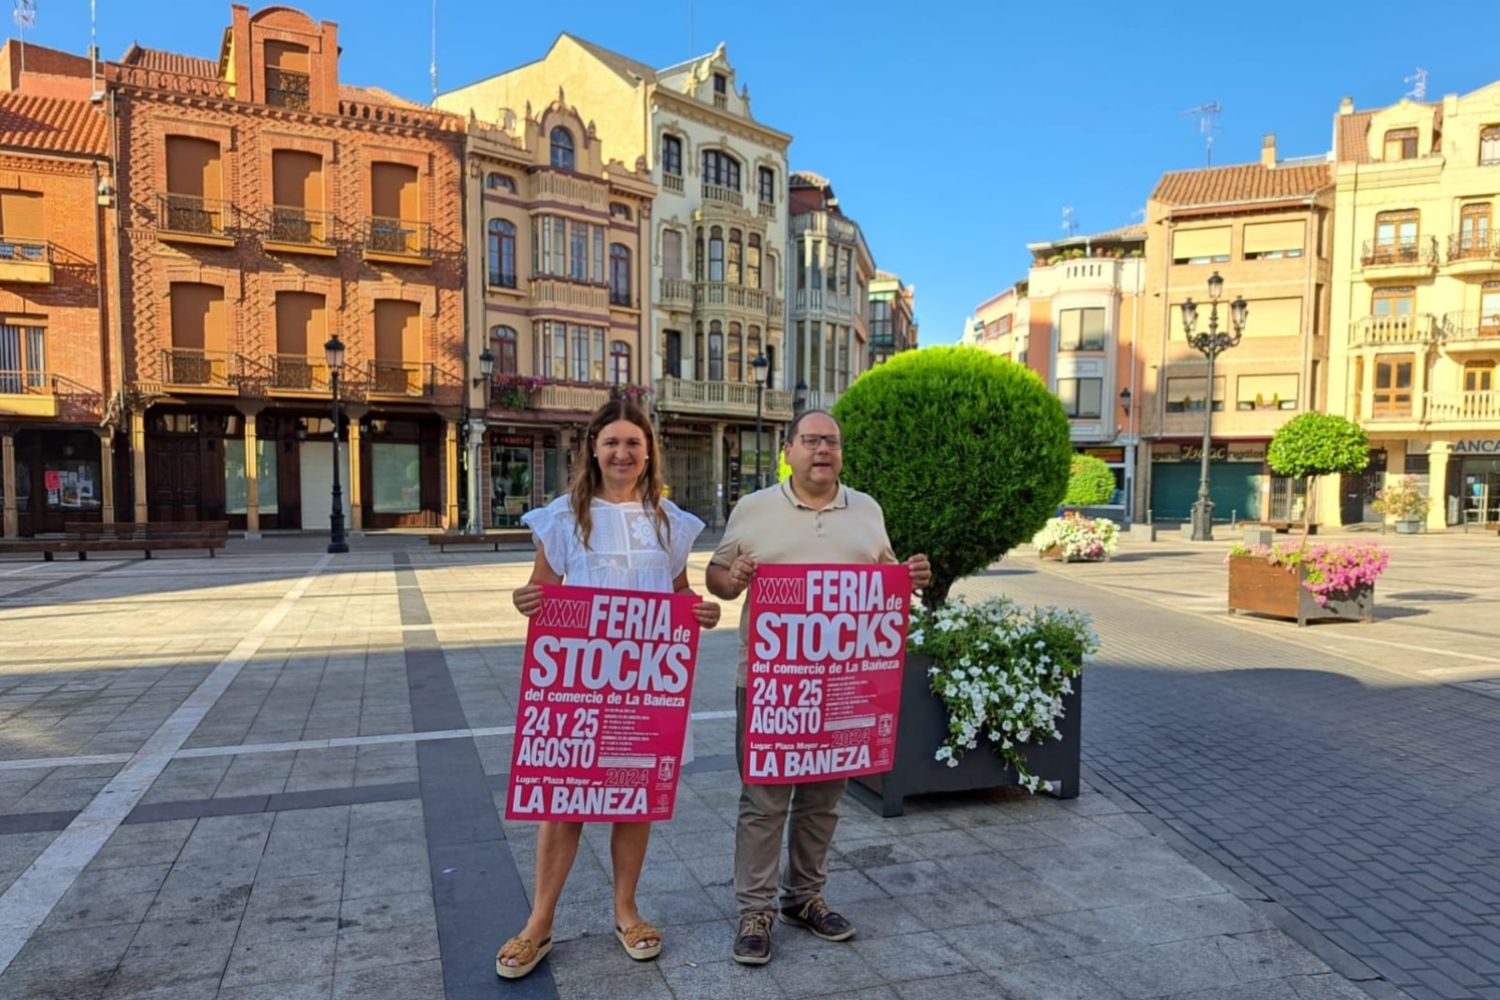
x=331, y=826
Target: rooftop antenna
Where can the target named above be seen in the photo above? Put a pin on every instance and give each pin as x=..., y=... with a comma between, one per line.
x=1418, y=80
x=25, y=17
x=93, y=47
x=433, y=68
x=1069, y=225
x=1208, y=124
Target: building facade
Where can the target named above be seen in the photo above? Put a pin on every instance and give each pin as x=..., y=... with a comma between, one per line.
x=1416, y=316
x=1266, y=229
x=58, y=367
x=893, y=316
x=829, y=275
x=717, y=246
x=558, y=293
x=1084, y=313
x=265, y=208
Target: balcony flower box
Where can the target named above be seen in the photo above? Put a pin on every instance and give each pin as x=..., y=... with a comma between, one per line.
x=1308, y=583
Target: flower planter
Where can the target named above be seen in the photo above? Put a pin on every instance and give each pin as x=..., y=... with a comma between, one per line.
x=1056, y=552
x=1408, y=527
x=1259, y=587
x=924, y=725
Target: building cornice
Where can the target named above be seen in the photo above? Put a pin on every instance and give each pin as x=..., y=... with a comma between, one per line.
x=669, y=100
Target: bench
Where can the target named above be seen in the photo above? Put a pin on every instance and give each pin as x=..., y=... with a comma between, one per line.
x=494, y=539
x=1282, y=527
x=83, y=537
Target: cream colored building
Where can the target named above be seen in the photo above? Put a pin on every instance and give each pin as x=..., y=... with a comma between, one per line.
x=829, y=275
x=1416, y=312
x=1266, y=229
x=717, y=245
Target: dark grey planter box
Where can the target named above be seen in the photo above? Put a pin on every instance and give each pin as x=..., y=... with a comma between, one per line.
x=923, y=727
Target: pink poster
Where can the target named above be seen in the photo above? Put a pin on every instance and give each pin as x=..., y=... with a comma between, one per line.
x=823, y=689
x=606, y=687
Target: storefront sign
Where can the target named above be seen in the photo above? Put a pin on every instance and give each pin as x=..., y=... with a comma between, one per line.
x=827, y=650
x=1221, y=451
x=1477, y=446
x=513, y=441
x=1116, y=455
x=606, y=686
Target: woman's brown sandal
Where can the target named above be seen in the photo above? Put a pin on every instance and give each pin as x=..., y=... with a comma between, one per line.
x=632, y=936
x=525, y=952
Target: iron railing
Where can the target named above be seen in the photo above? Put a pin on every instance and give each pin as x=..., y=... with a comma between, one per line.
x=288, y=89
x=300, y=226
x=398, y=237
x=401, y=378
x=193, y=215
x=192, y=366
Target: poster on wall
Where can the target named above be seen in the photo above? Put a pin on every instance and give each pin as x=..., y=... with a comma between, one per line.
x=823, y=683
x=606, y=688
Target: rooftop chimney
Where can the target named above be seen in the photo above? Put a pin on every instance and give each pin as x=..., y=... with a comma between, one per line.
x=1268, y=150
x=1346, y=106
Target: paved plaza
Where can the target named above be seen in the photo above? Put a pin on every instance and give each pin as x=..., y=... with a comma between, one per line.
x=278, y=774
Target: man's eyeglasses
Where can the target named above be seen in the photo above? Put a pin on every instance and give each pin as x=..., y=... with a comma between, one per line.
x=813, y=440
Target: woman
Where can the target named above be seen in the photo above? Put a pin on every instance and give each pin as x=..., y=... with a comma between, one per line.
x=612, y=529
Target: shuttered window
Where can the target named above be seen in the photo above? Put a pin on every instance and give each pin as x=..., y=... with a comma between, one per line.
x=1262, y=392
x=1271, y=240
x=1200, y=246
x=1269, y=317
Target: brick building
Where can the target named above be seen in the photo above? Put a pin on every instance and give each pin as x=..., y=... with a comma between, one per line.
x=266, y=207
x=55, y=359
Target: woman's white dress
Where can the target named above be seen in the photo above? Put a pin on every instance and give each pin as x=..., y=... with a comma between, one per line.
x=623, y=551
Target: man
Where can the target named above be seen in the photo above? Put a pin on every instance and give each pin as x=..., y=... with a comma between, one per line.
x=809, y=518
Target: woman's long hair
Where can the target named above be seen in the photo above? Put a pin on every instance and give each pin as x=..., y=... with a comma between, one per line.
x=588, y=478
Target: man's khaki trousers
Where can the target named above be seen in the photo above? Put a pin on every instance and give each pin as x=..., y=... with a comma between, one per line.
x=808, y=813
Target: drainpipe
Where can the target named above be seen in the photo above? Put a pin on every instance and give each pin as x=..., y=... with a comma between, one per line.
x=1135, y=411
x=116, y=311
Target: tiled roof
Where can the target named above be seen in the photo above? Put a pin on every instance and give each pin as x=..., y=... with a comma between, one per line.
x=622, y=65
x=809, y=179
x=1134, y=231
x=1353, y=137
x=374, y=95
x=1244, y=182
x=169, y=62
x=52, y=124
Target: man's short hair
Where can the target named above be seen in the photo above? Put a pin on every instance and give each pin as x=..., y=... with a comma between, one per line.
x=791, y=428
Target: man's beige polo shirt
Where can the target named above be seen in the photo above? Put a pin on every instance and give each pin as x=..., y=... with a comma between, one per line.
x=773, y=526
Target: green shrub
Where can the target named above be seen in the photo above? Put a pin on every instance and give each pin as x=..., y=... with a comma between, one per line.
x=1317, y=444
x=967, y=452
x=1090, y=482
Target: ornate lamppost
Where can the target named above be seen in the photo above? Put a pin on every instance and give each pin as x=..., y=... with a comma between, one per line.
x=762, y=368
x=334, y=349
x=1211, y=344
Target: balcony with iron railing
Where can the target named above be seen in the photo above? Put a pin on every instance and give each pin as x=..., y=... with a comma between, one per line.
x=729, y=399
x=406, y=379
x=292, y=229
x=25, y=260
x=196, y=368
x=1400, y=258
x=296, y=373
x=1471, y=331
x=718, y=194
x=189, y=218
x=288, y=89
x=1473, y=253
x=1406, y=329
x=398, y=241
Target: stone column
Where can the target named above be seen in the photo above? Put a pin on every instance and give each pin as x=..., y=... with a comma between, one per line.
x=716, y=476
x=12, y=519
x=479, y=477
x=107, y=474
x=138, y=463
x=1437, y=485
x=450, y=463
x=356, y=501
x=252, y=480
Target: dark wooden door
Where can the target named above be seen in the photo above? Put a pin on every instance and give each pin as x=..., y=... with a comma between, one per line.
x=174, y=477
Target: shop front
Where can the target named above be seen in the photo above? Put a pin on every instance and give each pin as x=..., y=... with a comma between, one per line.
x=1474, y=481
x=528, y=468
x=1119, y=459
x=58, y=479
x=1238, y=479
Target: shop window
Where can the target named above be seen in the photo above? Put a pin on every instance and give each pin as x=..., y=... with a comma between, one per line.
x=396, y=478
x=510, y=479
x=237, y=478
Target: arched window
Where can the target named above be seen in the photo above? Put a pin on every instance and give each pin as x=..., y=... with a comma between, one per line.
x=736, y=255
x=698, y=354
x=619, y=210
x=716, y=254
x=752, y=351
x=671, y=155
x=752, y=261
x=698, y=258
x=619, y=274
x=715, y=351
x=736, y=355
x=503, y=346
x=721, y=169
x=500, y=182
x=619, y=363
x=502, y=254
x=562, y=148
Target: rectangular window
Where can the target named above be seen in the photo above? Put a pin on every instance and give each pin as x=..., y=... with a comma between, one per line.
x=671, y=155
x=1474, y=230
x=1201, y=246
x=560, y=351
x=580, y=367
x=578, y=252
x=1395, y=237
x=1489, y=145
x=1268, y=317
x=1081, y=330
x=1479, y=376
x=736, y=250
x=844, y=273
x=598, y=274
x=1393, y=381
x=831, y=359
x=396, y=477
x=394, y=192
x=23, y=359
x=1401, y=144
x=815, y=364
x=1274, y=240
x=671, y=253
x=767, y=179
x=830, y=281
x=559, y=255
x=1081, y=397
x=736, y=355
x=1188, y=394
x=596, y=358
x=1266, y=392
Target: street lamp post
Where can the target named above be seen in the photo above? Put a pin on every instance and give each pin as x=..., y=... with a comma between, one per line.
x=334, y=349
x=762, y=368
x=1211, y=344
x=474, y=428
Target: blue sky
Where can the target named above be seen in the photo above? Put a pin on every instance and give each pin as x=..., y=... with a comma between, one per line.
x=953, y=132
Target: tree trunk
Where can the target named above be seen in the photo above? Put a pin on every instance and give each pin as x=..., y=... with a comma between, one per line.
x=1307, y=507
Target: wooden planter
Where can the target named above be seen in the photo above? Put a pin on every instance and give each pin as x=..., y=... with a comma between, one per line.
x=924, y=726
x=1259, y=587
x=1056, y=552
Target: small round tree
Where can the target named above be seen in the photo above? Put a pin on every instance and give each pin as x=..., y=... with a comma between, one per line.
x=1090, y=482
x=1317, y=444
x=967, y=453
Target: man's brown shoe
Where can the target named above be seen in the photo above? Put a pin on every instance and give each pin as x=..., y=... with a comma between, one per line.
x=752, y=943
x=818, y=918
